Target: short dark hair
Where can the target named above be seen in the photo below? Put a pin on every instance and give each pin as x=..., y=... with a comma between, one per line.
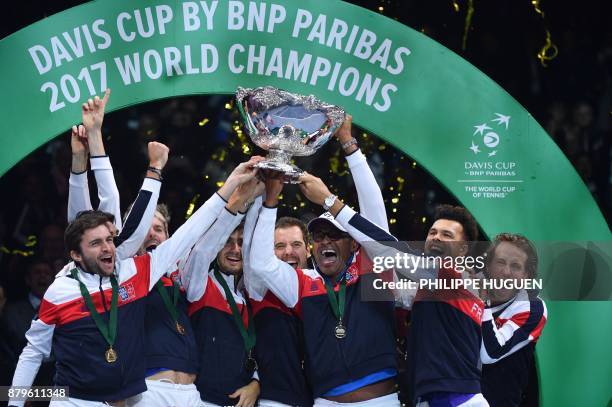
x=462, y=216
x=520, y=242
x=84, y=220
x=289, y=221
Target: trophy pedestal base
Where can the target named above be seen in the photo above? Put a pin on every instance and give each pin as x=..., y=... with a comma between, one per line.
x=291, y=172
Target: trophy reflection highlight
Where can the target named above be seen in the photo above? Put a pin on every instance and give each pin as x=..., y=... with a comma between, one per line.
x=286, y=125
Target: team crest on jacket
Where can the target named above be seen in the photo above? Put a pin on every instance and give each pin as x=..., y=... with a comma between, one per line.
x=126, y=292
x=314, y=287
x=349, y=276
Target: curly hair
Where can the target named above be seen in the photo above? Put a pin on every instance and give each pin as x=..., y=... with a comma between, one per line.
x=462, y=216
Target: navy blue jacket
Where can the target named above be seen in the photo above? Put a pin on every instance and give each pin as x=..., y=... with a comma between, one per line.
x=165, y=346
x=280, y=352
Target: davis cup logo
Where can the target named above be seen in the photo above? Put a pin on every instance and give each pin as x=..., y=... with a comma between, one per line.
x=487, y=136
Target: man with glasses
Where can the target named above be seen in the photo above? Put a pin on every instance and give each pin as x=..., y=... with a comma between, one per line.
x=445, y=336
x=349, y=343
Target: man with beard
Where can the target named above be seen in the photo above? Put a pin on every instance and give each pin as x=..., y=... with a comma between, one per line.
x=512, y=322
x=444, y=338
x=93, y=318
x=134, y=231
x=291, y=242
x=279, y=348
x=221, y=317
x=170, y=344
x=349, y=343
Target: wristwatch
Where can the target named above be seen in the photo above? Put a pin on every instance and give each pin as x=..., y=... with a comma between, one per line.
x=349, y=143
x=329, y=202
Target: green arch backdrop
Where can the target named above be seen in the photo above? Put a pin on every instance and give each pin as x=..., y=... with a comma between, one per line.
x=412, y=92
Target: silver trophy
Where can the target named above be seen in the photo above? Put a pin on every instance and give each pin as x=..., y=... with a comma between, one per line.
x=286, y=125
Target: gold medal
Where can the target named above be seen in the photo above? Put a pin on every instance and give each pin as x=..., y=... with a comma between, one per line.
x=111, y=355
x=340, y=331
x=179, y=328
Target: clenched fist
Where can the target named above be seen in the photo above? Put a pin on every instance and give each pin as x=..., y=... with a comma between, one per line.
x=158, y=154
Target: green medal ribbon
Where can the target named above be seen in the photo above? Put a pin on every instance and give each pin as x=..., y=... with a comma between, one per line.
x=337, y=305
x=248, y=335
x=108, y=331
x=170, y=306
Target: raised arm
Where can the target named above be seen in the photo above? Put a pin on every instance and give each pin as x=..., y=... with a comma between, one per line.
x=523, y=325
x=193, y=275
x=197, y=266
x=371, y=203
x=108, y=194
x=377, y=242
x=78, y=189
x=140, y=216
x=254, y=286
x=264, y=267
x=170, y=251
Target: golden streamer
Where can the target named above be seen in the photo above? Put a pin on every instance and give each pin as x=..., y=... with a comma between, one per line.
x=536, y=6
x=549, y=50
x=468, y=23
x=456, y=6
x=31, y=241
x=544, y=54
x=191, y=206
x=17, y=252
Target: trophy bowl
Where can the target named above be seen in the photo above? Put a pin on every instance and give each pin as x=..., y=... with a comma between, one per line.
x=286, y=124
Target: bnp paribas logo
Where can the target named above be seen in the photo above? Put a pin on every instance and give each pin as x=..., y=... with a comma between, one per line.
x=486, y=138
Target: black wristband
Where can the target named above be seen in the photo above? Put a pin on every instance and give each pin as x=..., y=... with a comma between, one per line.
x=350, y=154
x=230, y=211
x=224, y=200
x=156, y=171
